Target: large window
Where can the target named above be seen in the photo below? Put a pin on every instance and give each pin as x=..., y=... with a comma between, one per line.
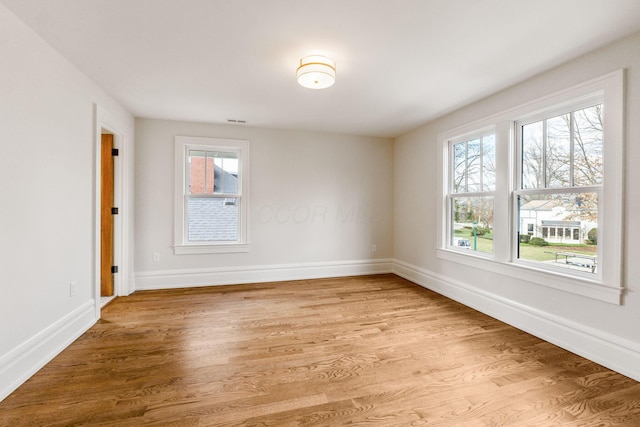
x=539, y=196
x=211, y=195
x=471, y=193
x=560, y=177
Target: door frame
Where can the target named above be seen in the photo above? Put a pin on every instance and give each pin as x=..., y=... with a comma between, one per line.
x=123, y=138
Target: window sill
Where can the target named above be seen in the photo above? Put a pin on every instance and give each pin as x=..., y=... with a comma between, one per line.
x=577, y=285
x=195, y=249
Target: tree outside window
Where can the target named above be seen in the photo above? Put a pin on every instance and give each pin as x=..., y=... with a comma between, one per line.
x=471, y=194
x=561, y=179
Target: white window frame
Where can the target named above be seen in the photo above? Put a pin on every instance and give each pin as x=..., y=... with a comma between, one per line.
x=182, y=246
x=608, y=284
x=450, y=195
x=565, y=108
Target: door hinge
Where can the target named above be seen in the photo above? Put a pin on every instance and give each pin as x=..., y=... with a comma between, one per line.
x=114, y=269
x=114, y=152
x=114, y=211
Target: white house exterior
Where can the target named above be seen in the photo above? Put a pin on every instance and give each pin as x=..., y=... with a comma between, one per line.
x=547, y=219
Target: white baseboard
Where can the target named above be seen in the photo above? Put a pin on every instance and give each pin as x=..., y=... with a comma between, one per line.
x=258, y=274
x=613, y=352
x=18, y=365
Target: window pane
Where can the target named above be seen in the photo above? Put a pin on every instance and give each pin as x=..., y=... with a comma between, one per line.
x=474, y=171
x=226, y=173
x=563, y=151
x=472, y=223
x=200, y=172
x=532, y=160
x=473, y=164
x=213, y=172
x=459, y=168
x=558, y=165
x=588, y=146
x=489, y=163
x=212, y=219
x=564, y=229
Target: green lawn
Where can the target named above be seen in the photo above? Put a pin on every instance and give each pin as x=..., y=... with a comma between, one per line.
x=528, y=252
x=548, y=253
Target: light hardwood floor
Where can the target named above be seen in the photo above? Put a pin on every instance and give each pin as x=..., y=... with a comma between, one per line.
x=374, y=350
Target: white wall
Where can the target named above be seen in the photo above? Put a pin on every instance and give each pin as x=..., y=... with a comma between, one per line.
x=604, y=332
x=47, y=182
x=317, y=204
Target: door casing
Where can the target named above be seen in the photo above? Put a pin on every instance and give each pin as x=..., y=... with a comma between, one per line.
x=123, y=137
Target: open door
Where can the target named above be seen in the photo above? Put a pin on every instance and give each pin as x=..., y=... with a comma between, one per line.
x=106, y=216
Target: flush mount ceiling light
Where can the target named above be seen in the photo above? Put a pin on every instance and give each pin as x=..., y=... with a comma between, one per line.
x=316, y=72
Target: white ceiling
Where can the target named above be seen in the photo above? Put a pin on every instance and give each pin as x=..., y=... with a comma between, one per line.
x=400, y=63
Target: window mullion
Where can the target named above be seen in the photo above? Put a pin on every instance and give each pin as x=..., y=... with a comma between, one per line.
x=474, y=194
x=206, y=167
x=544, y=154
x=559, y=190
x=187, y=173
x=185, y=219
x=215, y=196
x=482, y=164
x=466, y=167
x=571, y=148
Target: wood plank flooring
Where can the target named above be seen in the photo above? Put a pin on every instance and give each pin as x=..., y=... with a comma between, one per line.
x=374, y=350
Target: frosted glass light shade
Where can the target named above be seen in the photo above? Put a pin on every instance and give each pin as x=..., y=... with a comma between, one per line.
x=316, y=72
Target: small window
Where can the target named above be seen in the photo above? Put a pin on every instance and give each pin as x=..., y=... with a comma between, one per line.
x=211, y=195
x=471, y=193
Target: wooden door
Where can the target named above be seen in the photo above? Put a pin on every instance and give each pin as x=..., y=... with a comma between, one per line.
x=106, y=217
